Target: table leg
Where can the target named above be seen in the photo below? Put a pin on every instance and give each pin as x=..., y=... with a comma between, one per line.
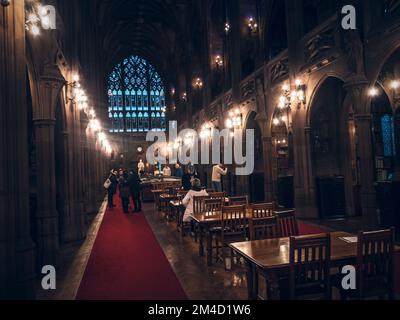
x=209, y=247
x=201, y=240
x=272, y=282
x=251, y=281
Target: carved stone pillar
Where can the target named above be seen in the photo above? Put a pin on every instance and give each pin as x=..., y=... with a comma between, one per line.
x=268, y=178
x=304, y=185
x=235, y=47
x=44, y=107
x=358, y=91
x=17, y=273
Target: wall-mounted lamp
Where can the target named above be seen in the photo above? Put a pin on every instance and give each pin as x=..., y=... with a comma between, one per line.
x=5, y=3
x=295, y=97
x=198, y=83
x=252, y=25
x=184, y=96
x=227, y=27
x=234, y=121
x=218, y=61
x=373, y=92
x=206, y=131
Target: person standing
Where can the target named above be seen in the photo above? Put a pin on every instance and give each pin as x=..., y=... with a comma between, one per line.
x=186, y=180
x=178, y=171
x=124, y=192
x=140, y=167
x=217, y=172
x=166, y=171
x=112, y=189
x=134, y=188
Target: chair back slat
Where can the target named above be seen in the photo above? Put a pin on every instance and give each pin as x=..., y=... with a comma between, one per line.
x=238, y=201
x=263, y=228
x=233, y=223
x=262, y=210
x=375, y=261
x=309, y=260
x=213, y=205
x=198, y=204
x=287, y=223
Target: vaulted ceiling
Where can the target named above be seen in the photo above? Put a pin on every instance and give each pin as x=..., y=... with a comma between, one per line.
x=156, y=30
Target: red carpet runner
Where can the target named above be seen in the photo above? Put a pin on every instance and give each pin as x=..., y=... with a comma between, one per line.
x=127, y=263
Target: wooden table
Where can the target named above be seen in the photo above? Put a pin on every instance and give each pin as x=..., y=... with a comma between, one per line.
x=206, y=222
x=165, y=199
x=178, y=210
x=156, y=193
x=271, y=258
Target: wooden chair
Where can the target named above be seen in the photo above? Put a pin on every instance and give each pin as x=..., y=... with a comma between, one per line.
x=287, y=223
x=237, y=201
x=213, y=205
x=309, y=261
x=262, y=210
x=233, y=227
x=374, y=266
x=198, y=207
x=263, y=228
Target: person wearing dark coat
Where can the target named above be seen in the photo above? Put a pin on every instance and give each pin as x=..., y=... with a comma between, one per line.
x=187, y=180
x=112, y=189
x=134, y=188
x=124, y=192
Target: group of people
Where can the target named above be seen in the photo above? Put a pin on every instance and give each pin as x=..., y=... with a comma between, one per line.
x=128, y=185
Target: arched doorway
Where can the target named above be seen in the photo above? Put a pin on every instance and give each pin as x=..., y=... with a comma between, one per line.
x=257, y=178
x=332, y=132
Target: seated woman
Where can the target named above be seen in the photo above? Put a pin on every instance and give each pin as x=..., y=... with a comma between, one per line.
x=196, y=191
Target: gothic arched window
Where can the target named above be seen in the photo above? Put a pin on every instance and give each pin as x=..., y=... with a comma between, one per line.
x=136, y=97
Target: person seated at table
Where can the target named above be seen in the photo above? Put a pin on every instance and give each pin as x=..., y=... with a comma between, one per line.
x=187, y=201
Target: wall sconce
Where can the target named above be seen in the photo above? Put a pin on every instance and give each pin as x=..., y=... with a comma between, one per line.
x=227, y=27
x=234, y=121
x=172, y=91
x=5, y=3
x=184, y=96
x=295, y=97
x=373, y=92
x=39, y=16
x=395, y=86
x=206, y=131
x=252, y=25
x=198, y=83
x=218, y=61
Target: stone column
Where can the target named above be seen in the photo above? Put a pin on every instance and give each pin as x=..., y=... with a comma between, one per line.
x=235, y=54
x=358, y=91
x=17, y=251
x=268, y=178
x=44, y=107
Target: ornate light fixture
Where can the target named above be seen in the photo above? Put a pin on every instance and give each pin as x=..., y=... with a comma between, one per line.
x=252, y=25
x=5, y=3
x=206, y=131
x=227, y=27
x=198, y=83
x=39, y=16
x=373, y=92
x=291, y=97
x=184, y=96
x=234, y=121
x=218, y=61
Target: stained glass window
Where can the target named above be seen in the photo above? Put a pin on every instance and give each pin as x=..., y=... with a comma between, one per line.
x=387, y=135
x=136, y=97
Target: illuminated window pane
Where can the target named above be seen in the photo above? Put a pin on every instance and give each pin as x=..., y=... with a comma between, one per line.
x=135, y=85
